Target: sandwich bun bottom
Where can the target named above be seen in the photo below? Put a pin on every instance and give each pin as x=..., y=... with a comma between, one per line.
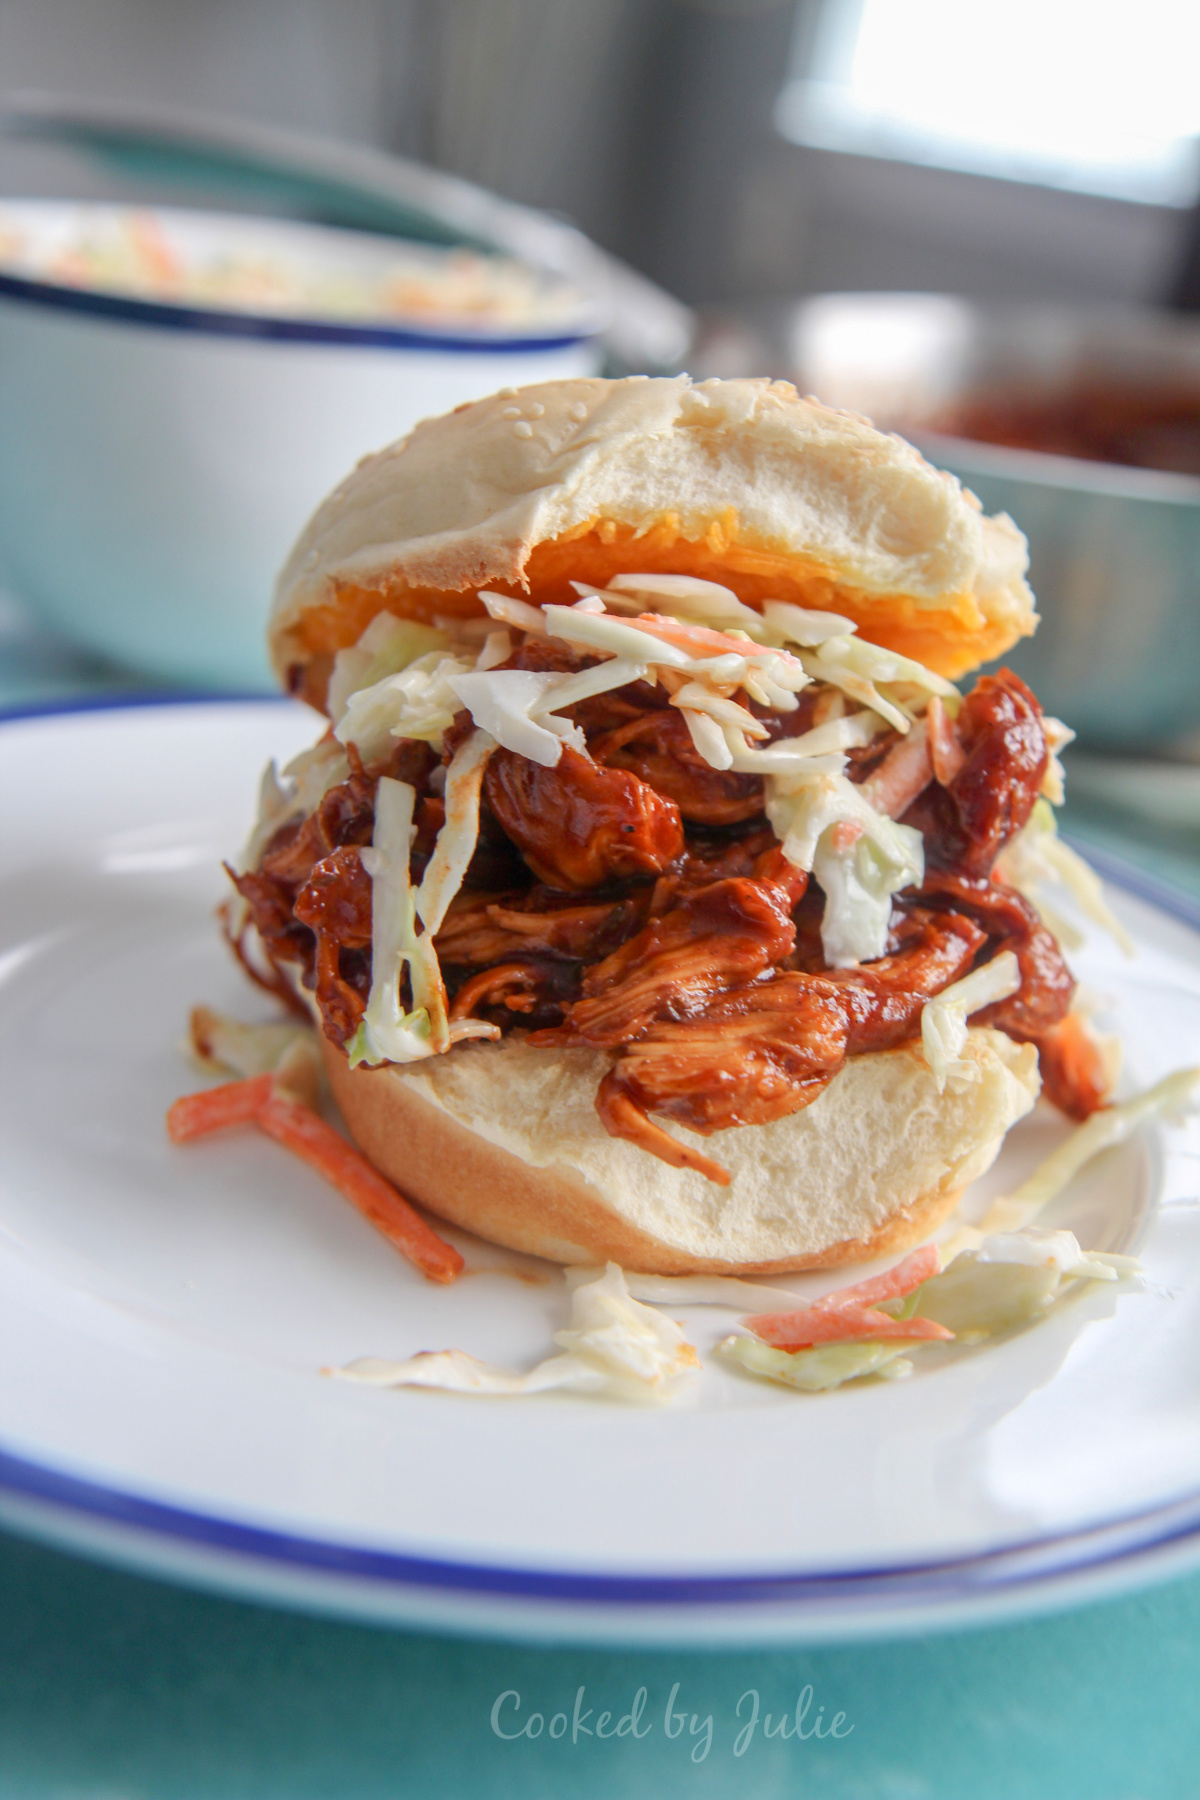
x=503, y=1140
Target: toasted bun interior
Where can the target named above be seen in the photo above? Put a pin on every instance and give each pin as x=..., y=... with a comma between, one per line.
x=741, y=482
x=504, y=1141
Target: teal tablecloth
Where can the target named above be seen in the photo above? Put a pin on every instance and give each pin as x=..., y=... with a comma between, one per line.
x=113, y=1687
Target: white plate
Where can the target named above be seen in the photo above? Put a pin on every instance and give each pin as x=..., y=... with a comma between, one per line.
x=165, y=1314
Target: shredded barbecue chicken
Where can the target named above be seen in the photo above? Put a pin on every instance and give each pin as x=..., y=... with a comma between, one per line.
x=634, y=899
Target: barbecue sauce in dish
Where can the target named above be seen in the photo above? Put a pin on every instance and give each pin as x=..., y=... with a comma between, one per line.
x=1142, y=425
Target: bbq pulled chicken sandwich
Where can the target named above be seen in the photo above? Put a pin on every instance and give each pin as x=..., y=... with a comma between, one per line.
x=647, y=875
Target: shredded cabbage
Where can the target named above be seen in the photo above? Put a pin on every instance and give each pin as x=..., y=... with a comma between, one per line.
x=419, y=702
x=1061, y=1248
x=695, y=697
x=874, y=663
x=858, y=878
x=519, y=707
x=634, y=1346
x=456, y=840
x=775, y=683
x=696, y=1290
x=614, y=1346
x=597, y=631
x=385, y=1033
x=802, y=809
x=771, y=682
x=710, y=741
x=569, y=690
x=699, y=602
x=226, y=1046
x=686, y=597
x=860, y=689
x=1111, y=1125
x=781, y=758
x=515, y=612
x=858, y=884
x=803, y=626
x=293, y=794
x=387, y=645
x=976, y=1300
x=455, y=1372
x=502, y=701
x=274, y=808
x=1006, y=1282
x=1010, y=1279
x=852, y=731
x=725, y=672
x=1058, y=736
x=855, y=666
x=944, y=1018
x=497, y=648
x=813, y=752
x=823, y=1367
x=773, y=677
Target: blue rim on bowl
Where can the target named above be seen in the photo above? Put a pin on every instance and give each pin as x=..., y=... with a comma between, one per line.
x=567, y=318
x=228, y=323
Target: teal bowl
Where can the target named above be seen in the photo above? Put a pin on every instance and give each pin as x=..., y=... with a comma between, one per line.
x=1114, y=559
x=1114, y=551
x=159, y=457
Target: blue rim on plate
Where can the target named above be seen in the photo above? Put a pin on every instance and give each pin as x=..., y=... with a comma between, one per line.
x=217, y=322
x=1013, y=1567
x=119, y=700
x=1028, y=1565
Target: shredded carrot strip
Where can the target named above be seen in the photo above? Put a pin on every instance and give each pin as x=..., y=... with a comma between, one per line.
x=699, y=638
x=262, y=1101
x=302, y=1131
x=893, y=1284
x=800, y=1330
x=152, y=246
x=849, y=1313
x=216, y=1109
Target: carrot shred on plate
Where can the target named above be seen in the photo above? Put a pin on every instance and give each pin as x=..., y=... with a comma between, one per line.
x=842, y=1324
x=216, y=1109
x=893, y=1284
x=849, y=1312
x=264, y=1102
x=306, y=1134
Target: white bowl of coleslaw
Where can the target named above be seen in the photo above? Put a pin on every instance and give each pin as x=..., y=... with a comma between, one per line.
x=178, y=390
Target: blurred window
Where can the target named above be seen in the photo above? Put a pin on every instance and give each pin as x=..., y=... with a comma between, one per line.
x=1101, y=98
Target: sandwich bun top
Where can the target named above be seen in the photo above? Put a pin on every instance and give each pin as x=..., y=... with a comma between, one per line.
x=741, y=482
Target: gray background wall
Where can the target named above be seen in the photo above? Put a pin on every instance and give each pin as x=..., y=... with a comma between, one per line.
x=647, y=121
